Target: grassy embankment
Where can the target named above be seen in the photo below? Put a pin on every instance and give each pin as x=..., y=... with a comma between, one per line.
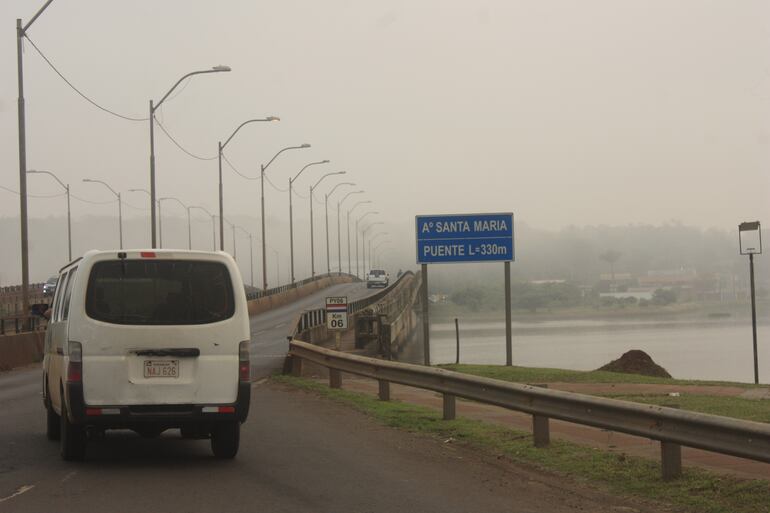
x=697, y=490
x=737, y=407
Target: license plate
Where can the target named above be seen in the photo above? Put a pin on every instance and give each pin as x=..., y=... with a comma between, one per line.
x=161, y=368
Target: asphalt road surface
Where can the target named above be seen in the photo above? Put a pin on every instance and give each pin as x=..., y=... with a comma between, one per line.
x=299, y=453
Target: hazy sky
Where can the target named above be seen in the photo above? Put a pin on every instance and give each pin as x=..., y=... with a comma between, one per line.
x=564, y=112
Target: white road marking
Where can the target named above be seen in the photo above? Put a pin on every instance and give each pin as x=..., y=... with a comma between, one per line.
x=281, y=325
x=19, y=491
x=69, y=476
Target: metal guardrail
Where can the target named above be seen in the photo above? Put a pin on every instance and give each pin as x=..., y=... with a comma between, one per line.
x=672, y=427
x=13, y=325
x=283, y=288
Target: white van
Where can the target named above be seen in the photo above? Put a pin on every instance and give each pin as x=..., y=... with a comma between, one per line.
x=148, y=340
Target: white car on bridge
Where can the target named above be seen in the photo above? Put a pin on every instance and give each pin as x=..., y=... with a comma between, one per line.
x=377, y=278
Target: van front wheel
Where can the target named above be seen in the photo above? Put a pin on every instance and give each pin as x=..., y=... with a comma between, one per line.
x=225, y=439
x=72, y=438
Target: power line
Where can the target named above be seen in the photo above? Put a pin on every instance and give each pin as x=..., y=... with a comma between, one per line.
x=86, y=98
x=34, y=195
x=236, y=169
x=275, y=186
x=94, y=202
x=193, y=155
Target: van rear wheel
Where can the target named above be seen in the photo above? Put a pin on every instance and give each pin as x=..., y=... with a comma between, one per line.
x=52, y=421
x=225, y=439
x=72, y=438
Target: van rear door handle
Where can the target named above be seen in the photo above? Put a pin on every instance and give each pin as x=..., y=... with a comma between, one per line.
x=189, y=352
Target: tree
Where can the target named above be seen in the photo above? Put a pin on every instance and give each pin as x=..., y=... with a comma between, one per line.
x=611, y=256
x=663, y=297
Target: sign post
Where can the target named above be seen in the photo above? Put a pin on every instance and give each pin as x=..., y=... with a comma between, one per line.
x=750, y=241
x=462, y=238
x=337, y=313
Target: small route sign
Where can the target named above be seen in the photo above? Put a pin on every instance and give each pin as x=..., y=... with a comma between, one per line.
x=445, y=239
x=337, y=313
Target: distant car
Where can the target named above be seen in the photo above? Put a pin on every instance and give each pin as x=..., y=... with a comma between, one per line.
x=49, y=287
x=377, y=278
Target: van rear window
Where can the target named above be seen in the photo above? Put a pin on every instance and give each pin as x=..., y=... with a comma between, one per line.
x=159, y=292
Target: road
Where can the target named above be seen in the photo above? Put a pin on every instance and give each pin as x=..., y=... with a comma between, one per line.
x=298, y=453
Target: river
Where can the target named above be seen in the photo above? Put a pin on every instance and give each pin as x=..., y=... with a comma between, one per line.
x=703, y=349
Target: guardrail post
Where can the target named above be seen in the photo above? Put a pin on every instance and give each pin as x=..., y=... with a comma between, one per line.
x=541, y=431
x=449, y=407
x=384, y=389
x=670, y=460
x=335, y=378
x=296, y=366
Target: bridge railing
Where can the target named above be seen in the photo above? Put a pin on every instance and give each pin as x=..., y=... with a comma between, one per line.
x=671, y=427
x=289, y=286
x=317, y=317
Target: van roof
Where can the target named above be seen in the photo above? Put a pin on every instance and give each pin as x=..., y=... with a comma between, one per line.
x=147, y=253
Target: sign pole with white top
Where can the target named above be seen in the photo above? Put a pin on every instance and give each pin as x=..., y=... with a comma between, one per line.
x=750, y=242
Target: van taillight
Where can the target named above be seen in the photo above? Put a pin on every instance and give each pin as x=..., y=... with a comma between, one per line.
x=244, y=363
x=75, y=365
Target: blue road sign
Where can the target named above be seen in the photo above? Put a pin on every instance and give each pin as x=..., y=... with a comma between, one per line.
x=454, y=238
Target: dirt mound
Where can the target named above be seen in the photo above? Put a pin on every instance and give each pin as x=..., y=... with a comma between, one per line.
x=636, y=362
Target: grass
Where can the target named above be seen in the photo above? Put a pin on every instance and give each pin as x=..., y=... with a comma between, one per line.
x=697, y=490
x=546, y=375
x=736, y=407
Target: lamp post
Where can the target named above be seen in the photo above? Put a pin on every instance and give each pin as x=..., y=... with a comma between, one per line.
x=69, y=218
x=234, y=246
x=21, y=31
x=153, y=108
x=120, y=207
x=750, y=241
x=375, y=255
x=277, y=267
x=350, y=269
x=326, y=208
x=371, y=240
x=220, y=148
x=312, y=228
x=357, y=222
x=251, y=253
x=263, y=168
x=291, y=213
x=160, y=232
x=339, y=249
x=189, y=228
x=213, y=225
x=363, y=242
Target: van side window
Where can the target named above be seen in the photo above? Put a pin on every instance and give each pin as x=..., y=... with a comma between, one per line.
x=67, y=293
x=56, y=316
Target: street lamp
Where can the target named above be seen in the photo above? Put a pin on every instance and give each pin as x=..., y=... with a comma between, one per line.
x=363, y=243
x=263, y=168
x=312, y=228
x=277, y=267
x=189, y=228
x=21, y=31
x=154, y=107
x=371, y=240
x=339, y=249
x=160, y=232
x=213, y=226
x=120, y=207
x=326, y=208
x=750, y=241
x=350, y=269
x=291, y=214
x=234, y=245
x=221, y=147
x=69, y=222
x=357, y=222
x=377, y=254
x=251, y=253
